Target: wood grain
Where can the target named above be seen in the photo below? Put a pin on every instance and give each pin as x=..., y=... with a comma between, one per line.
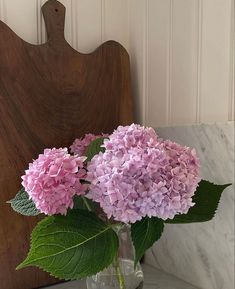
x=49, y=95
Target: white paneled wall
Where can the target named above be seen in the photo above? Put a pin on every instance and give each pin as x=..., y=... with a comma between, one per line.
x=182, y=51
x=88, y=22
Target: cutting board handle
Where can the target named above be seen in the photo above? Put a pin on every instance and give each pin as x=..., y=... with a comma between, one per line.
x=54, y=16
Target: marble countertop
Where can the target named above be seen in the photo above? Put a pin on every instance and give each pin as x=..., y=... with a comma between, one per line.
x=154, y=279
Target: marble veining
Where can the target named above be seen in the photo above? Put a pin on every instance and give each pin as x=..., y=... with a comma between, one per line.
x=203, y=253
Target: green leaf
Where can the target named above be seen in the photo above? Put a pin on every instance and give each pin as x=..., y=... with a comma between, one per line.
x=206, y=201
x=23, y=205
x=144, y=233
x=94, y=148
x=83, y=203
x=73, y=246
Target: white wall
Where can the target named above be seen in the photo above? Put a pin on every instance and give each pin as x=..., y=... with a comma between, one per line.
x=184, y=51
x=88, y=22
x=181, y=50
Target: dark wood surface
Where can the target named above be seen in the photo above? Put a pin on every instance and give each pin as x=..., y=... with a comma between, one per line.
x=49, y=95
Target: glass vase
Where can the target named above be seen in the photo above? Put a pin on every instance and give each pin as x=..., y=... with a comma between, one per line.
x=121, y=274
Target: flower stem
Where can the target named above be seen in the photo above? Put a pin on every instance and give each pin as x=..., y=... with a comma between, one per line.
x=119, y=273
x=86, y=204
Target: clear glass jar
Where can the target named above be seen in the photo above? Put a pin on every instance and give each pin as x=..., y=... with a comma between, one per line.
x=121, y=274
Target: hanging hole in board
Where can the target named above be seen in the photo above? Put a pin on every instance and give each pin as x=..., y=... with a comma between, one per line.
x=56, y=10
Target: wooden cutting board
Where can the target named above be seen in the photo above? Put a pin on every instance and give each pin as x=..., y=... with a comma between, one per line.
x=49, y=95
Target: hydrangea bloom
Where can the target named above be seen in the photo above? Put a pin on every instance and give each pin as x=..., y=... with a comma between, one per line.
x=141, y=175
x=80, y=145
x=53, y=180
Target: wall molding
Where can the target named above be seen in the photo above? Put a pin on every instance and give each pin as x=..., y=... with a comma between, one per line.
x=199, y=25
x=41, y=29
x=74, y=24
x=2, y=11
x=129, y=22
x=103, y=21
x=146, y=60
x=232, y=59
x=169, y=65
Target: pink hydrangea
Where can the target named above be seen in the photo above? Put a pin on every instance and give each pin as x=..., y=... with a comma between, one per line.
x=53, y=179
x=80, y=145
x=141, y=175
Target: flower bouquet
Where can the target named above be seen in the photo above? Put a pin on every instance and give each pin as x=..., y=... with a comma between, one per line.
x=106, y=193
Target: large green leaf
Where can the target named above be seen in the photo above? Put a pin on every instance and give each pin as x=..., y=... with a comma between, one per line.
x=206, y=201
x=144, y=233
x=73, y=246
x=94, y=148
x=23, y=205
